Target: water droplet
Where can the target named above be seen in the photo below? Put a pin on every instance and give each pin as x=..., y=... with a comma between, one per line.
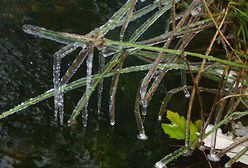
x=98, y=111
x=112, y=123
x=213, y=157
x=202, y=148
x=85, y=123
x=159, y=118
x=187, y=95
x=142, y=136
x=72, y=123
x=144, y=109
x=160, y=165
x=175, y=125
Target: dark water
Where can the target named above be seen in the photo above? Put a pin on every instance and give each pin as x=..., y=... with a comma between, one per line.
x=31, y=138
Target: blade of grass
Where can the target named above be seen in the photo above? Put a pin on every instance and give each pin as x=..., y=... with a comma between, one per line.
x=149, y=22
x=67, y=38
x=81, y=82
x=113, y=21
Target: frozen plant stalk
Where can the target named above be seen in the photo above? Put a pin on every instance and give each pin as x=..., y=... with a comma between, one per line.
x=89, y=63
x=101, y=61
x=58, y=94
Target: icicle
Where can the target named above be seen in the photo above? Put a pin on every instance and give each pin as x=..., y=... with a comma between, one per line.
x=144, y=108
x=58, y=88
x=112, y=94
x=212, y=156
x=139, y=122
x=184, y=83
x=112, y=105
x=101, y=60
x=89, y=64
x=143, y=100
x=61, y=104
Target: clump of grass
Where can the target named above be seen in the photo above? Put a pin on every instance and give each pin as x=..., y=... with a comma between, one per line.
x=229, y=70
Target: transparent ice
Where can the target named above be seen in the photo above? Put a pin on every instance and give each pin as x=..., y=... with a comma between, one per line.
x=89, y=63
x=101, y=61
x=58, y=87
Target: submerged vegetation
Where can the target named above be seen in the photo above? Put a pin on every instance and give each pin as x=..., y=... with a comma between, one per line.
x=226, y=25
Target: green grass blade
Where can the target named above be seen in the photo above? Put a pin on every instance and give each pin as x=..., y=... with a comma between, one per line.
x=150, y=21
x=113, y=21
x=81, y=82
x=81, y=40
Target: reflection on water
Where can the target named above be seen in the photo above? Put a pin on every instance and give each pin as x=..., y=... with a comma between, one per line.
x=31, y=138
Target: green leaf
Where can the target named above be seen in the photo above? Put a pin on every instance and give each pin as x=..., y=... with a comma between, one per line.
x=174, y=131
x=177, y=128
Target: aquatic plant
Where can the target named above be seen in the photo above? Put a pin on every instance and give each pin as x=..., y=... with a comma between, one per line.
x=187, y=20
